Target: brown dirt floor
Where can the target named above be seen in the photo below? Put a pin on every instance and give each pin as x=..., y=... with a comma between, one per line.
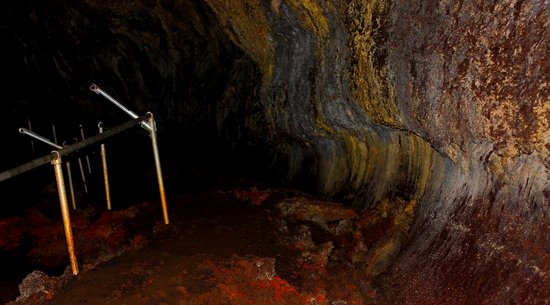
x=236, y=245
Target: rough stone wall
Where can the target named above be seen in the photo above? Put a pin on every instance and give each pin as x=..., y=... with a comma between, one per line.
x=446, y=103
x=473, y=77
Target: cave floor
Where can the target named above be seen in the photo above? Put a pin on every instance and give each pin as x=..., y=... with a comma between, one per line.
x=242, y=244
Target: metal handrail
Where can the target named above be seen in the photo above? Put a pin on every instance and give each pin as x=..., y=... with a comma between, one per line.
x=95, y=88
x=64, y=151
x=56, y=160
x=68, y=164
x=39, y=137
x=103, y=136
x=10, y=173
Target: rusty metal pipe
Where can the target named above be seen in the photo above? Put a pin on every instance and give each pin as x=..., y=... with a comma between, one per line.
x=38, y=137
x=70, y=176
x=82, y=175
x=47, y=141
x=95, y=88
x=102, y=137
x=71, y=188
x=153, y=135
x=87, y=157
x=105, y=171
x=56, y=162
x=23, y=168
x=54, y=133
x=30, y=128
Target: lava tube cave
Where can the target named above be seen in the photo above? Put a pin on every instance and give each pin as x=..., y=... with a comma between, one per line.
x=313, y=152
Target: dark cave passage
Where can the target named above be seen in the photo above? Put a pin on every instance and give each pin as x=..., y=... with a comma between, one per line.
x=437, y=114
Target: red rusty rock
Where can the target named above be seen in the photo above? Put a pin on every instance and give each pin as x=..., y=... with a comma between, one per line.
x=39, y=288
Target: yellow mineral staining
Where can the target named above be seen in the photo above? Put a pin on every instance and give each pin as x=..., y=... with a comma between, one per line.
x=514, y=136
x=423, y=157
x=333, y=170
x=405, y=157
x=501, y=115
x=519, y=130
x=541, y=136
x=276, y=6
x=358, y=155
x=371, y=87
x=452, y=151
x=403, y=219
x=311, y=15
x=324, y=126
x=246, y=25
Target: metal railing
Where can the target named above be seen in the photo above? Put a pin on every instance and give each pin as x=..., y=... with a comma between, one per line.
x=54, y=145
x=147, y=121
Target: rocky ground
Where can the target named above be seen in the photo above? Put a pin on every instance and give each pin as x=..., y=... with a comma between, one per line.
x=242, y=244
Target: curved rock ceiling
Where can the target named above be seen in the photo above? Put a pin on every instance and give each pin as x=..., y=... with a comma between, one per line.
x=444, y=105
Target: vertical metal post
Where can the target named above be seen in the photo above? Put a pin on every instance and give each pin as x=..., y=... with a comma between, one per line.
x=54, y=133
x=68, y=165
x=54, y=144
x=153, y=134
x=30, y=129
x=71, y=188
x=87, y=157
x=82, y=175
x=56, y=162
x=70, y=176
x=105, y=172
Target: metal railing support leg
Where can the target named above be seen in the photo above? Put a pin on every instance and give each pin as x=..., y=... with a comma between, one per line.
x=70, y=176
x=30, y=129
x=82, y=175
x=71, y=188
x=56, y=162
x=87, y=157
x=105, y=172
x=153, y=134
x=44, y=140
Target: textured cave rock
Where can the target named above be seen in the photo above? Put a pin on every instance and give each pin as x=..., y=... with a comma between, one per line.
x=443, y=104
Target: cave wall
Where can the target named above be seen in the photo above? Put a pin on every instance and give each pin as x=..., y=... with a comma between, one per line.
x=445, y=105
x=474, y=77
